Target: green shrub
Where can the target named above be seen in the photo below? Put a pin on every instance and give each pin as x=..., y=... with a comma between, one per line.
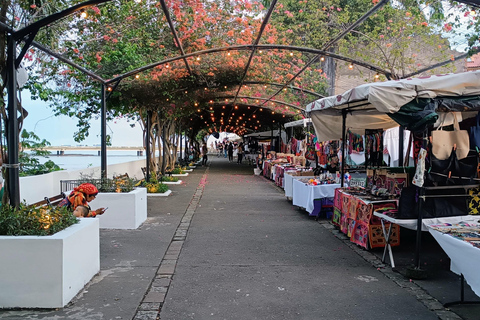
x=109, y=185
x=169, y=179
x=177, y=171
x=28, y=221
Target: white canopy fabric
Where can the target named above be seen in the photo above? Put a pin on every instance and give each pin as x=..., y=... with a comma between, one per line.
x=373, y=101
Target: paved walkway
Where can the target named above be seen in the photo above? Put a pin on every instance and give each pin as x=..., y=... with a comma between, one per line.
x=228, y=245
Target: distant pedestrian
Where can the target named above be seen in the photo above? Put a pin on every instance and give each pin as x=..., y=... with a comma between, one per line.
x=204, y=154
x=230, y=152
x=240, y=153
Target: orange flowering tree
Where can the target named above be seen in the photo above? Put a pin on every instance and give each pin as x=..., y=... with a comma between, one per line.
x=223, y=81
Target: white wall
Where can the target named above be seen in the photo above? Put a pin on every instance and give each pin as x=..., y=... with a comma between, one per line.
x=35, y=188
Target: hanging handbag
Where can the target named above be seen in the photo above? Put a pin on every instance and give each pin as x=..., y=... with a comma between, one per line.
x=475, y=134
x=452, y=171
x=443, y=141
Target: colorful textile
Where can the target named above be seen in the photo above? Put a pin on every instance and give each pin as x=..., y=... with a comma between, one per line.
x=360, y=234
x=377, y=239
x=87, y=188
x=78, y=197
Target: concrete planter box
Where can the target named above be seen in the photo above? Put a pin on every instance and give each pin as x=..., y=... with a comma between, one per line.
x=169, y=182
x=180, y=174
x=48, y=271
x=125, y=210
x=165, y=194
x=188, y=170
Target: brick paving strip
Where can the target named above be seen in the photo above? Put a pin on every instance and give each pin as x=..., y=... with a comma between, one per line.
x=151, y=305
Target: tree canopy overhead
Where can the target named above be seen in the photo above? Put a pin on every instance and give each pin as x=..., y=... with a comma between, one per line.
x=235, y=65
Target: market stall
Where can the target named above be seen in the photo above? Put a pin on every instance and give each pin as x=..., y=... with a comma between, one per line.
x=416, y=104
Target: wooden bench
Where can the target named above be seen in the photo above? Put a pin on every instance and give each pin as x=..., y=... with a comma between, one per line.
x=122, y=176
x=50, y=202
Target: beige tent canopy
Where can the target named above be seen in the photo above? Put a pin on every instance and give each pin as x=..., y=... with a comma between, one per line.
x=368, y=106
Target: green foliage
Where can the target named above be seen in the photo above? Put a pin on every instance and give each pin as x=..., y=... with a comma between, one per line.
x=29, y=164
x=169, y=179
x=153, y=185
x=107, y=184
x=177, y=170
x=34, y=221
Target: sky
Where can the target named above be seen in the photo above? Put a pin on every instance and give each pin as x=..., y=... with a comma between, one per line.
x=59, y=130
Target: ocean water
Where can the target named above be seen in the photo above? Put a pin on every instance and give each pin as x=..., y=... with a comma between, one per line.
x=82, y=159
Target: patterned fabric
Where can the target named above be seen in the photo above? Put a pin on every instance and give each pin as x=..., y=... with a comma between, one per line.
x=364, y=211
x=474, y=203
x=87, y=188
x=78, y=197
x=377, y=239
x=360, y=234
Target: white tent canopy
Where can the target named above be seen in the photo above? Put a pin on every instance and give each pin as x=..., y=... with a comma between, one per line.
x=373, y=101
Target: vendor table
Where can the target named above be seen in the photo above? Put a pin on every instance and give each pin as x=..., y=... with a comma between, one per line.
x=304, y=194
x=412, y=225
x=288, y=183
x=465, y=258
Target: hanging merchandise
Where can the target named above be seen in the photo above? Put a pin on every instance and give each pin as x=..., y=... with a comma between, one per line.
x=420, y=171
x=475, y=134
x=310, y=153
x=355, y=142
x=474, y=202
x=374, y=147
x=444, y=141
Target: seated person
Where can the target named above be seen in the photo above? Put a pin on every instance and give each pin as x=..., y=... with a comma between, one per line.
x=81, y=196
x=81, y=211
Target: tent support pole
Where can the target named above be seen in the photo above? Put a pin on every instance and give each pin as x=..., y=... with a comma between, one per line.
x=344, y=129
x=416, y=272
x=103, y=130
x=401, y=134
x=147, y=146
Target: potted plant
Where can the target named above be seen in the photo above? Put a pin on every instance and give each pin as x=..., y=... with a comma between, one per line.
x=178, y=172
x=170, y=180
x=155, y=188
x=45, y=248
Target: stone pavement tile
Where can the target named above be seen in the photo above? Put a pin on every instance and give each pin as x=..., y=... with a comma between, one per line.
x=146, y=315
x=161, y=282
x=166, y=269
x=447, y=315
x=150, y=306
x=171, y=256
x=159, y=289
x=154, y=297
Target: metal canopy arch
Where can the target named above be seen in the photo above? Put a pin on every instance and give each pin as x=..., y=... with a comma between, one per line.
x=27, y=35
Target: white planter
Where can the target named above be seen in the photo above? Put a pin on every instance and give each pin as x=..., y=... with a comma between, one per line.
x=188, y=170
x=192, y=167
x=180, y=174
x=165, y=194
x=169, y=182
x=48, y=271
x=125, y=210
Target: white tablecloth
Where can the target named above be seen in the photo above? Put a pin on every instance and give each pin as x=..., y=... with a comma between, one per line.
x=412, y=223
x=303, y=194
x=318, y=192
x=465, y=258
x=299, y=193
x=288, y=183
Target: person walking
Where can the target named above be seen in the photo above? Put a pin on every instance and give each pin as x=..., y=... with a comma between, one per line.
x=230, y=152
x=204, y=154
x=240, y=153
